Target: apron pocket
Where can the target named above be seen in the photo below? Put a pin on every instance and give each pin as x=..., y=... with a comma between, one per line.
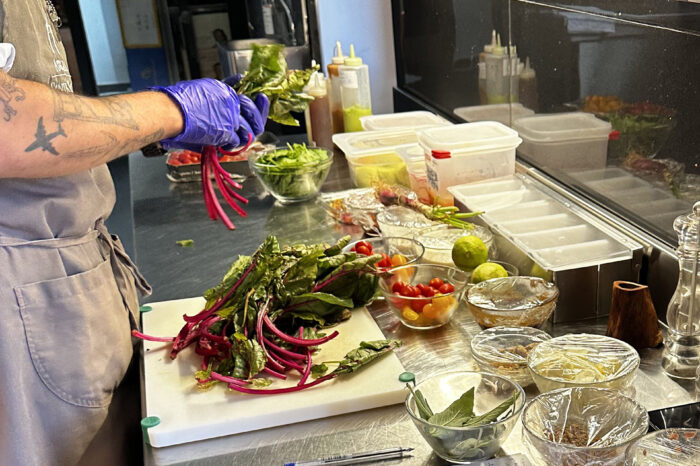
x=78, y=334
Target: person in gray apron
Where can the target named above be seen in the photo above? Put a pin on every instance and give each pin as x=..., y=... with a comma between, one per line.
x=68, y=291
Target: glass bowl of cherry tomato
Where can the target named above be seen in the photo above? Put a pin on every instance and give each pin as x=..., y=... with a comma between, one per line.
x=423, y=296
x=395, y=251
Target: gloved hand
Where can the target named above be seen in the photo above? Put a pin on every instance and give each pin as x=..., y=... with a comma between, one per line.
x=213, y=115
x=254, y=113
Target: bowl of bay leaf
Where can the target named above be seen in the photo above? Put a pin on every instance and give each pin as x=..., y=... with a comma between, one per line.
x=465, y=416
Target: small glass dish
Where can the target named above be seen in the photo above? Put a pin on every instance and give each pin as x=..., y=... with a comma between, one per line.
x=503, y=351
x=583, y=360
x=401, y=221
x=439, y=239
x=296, y=183
x=512, y=301
x=463, y=445
x=582, y=425
x=423, y=312
x=410, y=249
x=668, y=447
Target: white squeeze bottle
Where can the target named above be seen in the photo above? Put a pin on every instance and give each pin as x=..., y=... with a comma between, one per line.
x=354, y=91
x=334, y=89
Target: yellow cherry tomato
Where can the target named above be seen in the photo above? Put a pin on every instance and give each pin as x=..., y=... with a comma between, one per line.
x=398, y=259
x=431, y=311
x=409, y=314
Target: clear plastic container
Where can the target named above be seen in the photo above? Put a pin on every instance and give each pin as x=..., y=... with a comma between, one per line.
x=439, y=239
x=502, y=113
x=405, y=120
x=418, y=178
x=583, y=360
x=540, y=225
x=571, y=141
x=667, y=447
x=355, y=143
x=464, y=153
x=512, y=301
x=503, y=351
x=370, y=168
x=582, y=426
x=401, y=221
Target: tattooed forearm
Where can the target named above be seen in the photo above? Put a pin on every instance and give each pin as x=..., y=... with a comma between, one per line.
x=43, y=140
x=106, y=110
x=113, y=147
x=9, y=92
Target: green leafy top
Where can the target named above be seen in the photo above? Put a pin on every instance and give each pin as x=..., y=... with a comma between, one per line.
x=268, y=74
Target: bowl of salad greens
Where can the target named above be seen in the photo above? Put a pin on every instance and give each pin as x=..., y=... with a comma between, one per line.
x=465, y=416
x=292, y=173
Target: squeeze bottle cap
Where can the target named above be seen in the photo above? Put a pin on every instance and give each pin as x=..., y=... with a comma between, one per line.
x=316, y=86
x=527, y=72
x=488, y=48
x=338, y=58
x=352, y=60
x=498, y=49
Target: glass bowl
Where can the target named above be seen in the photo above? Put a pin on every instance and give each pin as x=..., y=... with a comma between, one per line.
x=401, y=221
x=512, y=301
x=410, y=249
x=423, y=312
x=583, y=360
x=503, y=351
x=466, y=444
x=295, y=183
x=668, y=447
x=439, y=239
x=582, y=425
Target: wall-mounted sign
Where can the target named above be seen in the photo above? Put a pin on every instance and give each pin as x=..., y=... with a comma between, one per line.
x=139, y=23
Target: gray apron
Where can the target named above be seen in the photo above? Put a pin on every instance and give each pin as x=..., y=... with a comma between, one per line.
x=68, y=292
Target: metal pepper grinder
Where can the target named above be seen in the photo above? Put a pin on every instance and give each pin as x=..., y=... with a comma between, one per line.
x=681, y=356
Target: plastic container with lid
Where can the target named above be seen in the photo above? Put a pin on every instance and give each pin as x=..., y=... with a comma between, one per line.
x=502, y=113
x=367, y=141
x=405, y=120
x=464, y=153
x=383, y=166
x=571, y=141
x=354, y=91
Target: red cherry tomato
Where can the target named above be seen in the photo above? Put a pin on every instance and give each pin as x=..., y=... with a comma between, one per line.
x=365, y=244
x=399, y=303
x=428, y=292
x=354, y=248
x=447, y=288
x=417, y=304
x=363, y=250
x=397, y=287
x=436, y=283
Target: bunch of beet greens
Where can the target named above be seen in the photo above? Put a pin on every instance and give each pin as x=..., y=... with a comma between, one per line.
x=267, y=74
x=261, y=321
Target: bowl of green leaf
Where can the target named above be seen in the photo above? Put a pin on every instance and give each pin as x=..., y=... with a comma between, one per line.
x=465, y=416
x=293, y=173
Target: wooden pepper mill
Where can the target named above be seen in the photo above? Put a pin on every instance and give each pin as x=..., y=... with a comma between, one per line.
x=632, y=316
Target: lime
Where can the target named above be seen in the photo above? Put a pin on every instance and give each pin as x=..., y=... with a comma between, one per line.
x=469, y=252
x=537, y=271
x=487, y=271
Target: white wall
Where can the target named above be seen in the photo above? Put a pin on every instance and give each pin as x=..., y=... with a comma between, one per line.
x=104, y=38
x=367, y=24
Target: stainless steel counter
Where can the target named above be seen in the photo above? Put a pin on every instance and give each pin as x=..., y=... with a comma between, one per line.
x=165, y=212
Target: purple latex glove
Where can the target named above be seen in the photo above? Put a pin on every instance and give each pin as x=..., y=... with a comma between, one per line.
x=212, y=115
x=254, y=113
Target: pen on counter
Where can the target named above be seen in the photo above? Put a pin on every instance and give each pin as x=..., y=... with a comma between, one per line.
x=355, y=458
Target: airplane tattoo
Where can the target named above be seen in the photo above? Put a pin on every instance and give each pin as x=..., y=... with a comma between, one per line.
x=43, y=140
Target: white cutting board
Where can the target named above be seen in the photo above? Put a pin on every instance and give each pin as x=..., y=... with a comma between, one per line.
x=188, y=415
